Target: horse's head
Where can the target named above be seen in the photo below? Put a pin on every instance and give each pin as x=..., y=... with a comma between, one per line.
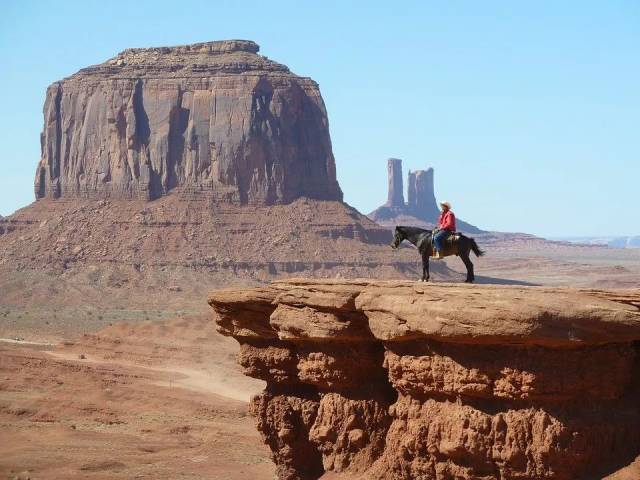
x=398, y=236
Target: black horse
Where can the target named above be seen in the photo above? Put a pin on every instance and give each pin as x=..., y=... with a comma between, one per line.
x=456, y=244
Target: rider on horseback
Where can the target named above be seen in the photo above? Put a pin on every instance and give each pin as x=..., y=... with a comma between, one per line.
x=446, y=227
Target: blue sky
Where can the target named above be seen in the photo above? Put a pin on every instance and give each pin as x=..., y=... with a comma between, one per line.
x=528, y=111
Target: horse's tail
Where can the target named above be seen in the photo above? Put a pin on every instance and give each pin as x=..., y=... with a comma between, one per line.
x=475, y=248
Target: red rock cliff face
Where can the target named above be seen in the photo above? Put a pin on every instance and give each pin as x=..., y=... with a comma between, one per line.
x=213, y=118
x=397, y=380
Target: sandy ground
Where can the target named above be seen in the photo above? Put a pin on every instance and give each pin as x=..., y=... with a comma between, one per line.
x=152, y=400
x=556, y=264
x=100, y=388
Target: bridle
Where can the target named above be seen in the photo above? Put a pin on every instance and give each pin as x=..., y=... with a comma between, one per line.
x=397, y=240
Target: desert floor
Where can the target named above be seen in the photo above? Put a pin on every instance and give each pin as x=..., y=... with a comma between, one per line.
x=105, y=390
x=155, y=400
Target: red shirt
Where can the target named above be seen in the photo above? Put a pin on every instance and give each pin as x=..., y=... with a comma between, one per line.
x=447, y=221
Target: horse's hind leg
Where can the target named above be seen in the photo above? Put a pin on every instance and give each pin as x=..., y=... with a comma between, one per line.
x=467, y=263
x=425, y=267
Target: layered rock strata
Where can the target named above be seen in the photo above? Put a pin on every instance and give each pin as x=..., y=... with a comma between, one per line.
x=198, y=242
x=398, y=380
x=212, y=118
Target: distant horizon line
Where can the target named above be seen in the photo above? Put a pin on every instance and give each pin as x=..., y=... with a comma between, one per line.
x=586, y=237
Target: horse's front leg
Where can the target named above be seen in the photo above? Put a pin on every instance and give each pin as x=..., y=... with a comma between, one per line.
x=425, y=267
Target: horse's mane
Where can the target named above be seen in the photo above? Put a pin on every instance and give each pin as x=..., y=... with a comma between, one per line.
x=412, y=230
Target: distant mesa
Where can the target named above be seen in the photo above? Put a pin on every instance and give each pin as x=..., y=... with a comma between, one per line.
x=421, y=208
x=625, y=242
x=211, y=118
x=632, y=241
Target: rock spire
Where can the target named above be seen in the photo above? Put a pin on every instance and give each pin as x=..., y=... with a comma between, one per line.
x=395, y=194
x=422, y=199
x=421, y=208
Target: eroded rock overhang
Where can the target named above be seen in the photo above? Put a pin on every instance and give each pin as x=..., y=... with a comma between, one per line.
x=403, y=380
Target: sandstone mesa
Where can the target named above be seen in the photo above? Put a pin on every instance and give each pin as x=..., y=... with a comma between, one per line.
x=211, y=118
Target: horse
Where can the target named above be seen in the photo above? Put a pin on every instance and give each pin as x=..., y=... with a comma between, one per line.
x=456, y=244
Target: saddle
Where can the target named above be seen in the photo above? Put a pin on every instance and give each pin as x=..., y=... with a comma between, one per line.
x=454, y=237
x=451, y=238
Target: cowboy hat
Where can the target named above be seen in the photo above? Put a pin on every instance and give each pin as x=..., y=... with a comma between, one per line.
x=446, y=204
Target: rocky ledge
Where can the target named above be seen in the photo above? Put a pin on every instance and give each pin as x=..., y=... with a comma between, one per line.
x=401, y=380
